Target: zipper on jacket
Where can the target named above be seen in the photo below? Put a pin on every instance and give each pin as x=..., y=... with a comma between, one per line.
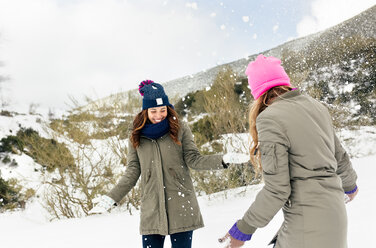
x=162, y=187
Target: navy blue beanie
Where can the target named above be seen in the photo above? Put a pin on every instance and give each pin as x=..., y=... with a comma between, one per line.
x=153, y=95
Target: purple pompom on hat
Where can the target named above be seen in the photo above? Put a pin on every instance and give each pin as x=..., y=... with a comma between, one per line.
x=153, y=95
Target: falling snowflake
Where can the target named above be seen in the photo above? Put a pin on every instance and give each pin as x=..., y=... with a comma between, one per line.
x=245, y=18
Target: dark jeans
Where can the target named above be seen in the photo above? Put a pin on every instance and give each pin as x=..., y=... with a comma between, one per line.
x=178, y=240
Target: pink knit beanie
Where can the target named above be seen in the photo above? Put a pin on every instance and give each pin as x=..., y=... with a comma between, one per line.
x=265, y=73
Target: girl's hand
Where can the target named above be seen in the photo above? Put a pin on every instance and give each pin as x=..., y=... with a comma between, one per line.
x=231, y=242
x=350, y=197
x=235, y=158
x=104, y=204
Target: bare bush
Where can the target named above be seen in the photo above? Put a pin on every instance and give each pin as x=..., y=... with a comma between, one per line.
x=100, y=159
x=71, y=191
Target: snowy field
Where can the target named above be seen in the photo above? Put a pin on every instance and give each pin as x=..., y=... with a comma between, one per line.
x=29, y=228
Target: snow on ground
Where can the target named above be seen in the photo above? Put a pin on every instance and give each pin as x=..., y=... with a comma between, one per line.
x=358, y=143
x=10, y=125
x=26, y=171
x=28, y=229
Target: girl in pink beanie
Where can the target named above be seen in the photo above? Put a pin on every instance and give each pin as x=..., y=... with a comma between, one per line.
x=265, y=73
x=305, y=169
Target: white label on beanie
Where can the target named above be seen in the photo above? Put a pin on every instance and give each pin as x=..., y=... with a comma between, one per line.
x=159, y=101
x=153, y=87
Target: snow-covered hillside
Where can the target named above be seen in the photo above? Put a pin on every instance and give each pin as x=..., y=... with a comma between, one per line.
x=9, y=125
x=28, y=229
x=361, y=25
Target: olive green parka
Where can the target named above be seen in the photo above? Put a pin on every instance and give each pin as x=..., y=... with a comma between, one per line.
x=306, y=171
x=168, y=203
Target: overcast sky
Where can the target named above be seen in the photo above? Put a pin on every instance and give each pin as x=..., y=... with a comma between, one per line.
x=51, y=49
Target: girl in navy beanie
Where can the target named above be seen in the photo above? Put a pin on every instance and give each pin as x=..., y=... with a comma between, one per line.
x=161, y=150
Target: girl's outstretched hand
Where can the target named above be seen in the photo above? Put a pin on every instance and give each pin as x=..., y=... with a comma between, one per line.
x=235, y=158
x=230, y=242
x=350, y=197
x=104, y=204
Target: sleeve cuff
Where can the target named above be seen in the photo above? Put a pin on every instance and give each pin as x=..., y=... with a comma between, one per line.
x=237, y=234
x=352, y=190
x=245, y=228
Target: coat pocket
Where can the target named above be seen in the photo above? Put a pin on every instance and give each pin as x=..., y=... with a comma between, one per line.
x=145, y=180
x=268, y=157
x=147, y=176
x=178, y=181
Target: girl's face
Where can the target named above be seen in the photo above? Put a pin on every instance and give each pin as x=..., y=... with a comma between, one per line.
x=157, y=114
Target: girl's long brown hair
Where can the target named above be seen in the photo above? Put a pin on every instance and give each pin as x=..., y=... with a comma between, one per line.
x=257, y=107
x=142, y=118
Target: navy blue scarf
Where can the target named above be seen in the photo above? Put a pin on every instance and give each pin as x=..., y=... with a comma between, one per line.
x=157, y=130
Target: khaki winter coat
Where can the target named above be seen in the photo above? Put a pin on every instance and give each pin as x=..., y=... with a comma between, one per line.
x=306, y=171
x=168, y=202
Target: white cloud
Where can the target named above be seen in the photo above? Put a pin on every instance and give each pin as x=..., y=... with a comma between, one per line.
x=327, y=13
x=275, y=28
x=192, y=5
x=52, y=49
x=245, y=18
